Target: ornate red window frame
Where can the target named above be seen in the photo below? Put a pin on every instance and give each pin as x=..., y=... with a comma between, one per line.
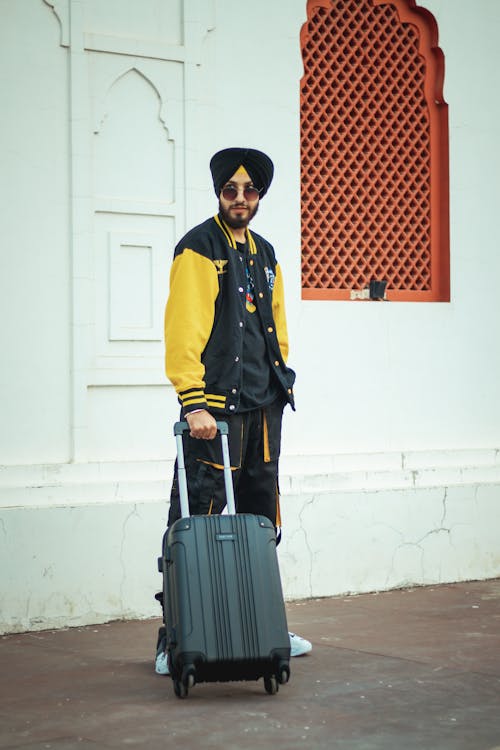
x=374, y=152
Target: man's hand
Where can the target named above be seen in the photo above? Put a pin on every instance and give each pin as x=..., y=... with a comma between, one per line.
x=202, y=425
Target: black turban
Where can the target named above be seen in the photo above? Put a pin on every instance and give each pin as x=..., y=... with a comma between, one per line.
x=225, y=163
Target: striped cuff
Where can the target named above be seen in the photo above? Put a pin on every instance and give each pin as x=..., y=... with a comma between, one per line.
x=193, y=399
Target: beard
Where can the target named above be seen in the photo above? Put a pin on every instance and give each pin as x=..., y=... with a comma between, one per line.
x=237, y=222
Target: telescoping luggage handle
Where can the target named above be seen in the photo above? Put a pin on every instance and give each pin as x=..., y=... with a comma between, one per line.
x=222, y=428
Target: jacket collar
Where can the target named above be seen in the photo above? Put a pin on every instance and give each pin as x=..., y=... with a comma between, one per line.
x=228, y=234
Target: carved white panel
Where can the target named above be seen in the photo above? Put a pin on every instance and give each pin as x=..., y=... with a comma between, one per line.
x=134, y=156
x=137, y=167
x=140, y=19
x=134, y=288
x=132, y=257
x=61, y=11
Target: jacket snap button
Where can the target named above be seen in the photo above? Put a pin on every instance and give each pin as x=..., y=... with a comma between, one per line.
x=270, y=329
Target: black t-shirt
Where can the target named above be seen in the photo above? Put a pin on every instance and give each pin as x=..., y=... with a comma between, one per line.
x=259, y=387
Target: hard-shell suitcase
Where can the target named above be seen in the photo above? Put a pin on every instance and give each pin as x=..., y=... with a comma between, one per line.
x=224, y=610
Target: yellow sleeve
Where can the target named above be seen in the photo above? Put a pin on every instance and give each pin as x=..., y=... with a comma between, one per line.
x=189, y=318
x=279, y=313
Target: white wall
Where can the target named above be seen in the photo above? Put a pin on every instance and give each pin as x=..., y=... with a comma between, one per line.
x=111, y=113
x=35, y=264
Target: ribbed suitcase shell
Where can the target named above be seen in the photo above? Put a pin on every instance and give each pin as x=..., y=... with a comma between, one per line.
x=225, y=612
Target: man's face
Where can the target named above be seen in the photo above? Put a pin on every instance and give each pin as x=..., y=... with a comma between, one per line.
x=238, y=211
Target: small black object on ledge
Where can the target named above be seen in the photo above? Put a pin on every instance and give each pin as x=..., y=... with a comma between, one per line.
x=377, y=289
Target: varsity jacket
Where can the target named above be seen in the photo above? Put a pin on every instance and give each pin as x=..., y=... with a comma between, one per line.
x=205, y=317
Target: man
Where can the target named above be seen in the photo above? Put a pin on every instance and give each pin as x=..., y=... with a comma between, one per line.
x=226, y=349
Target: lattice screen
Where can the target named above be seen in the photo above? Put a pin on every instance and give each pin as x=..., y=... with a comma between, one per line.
x=366, y=142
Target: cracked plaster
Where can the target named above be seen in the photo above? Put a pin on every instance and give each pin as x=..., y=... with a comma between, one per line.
x=96, y=562
x=337, y=543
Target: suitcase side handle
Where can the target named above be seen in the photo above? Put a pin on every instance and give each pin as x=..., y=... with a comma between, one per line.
x=222, y=428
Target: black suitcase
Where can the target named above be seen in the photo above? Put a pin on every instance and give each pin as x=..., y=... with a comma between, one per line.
x=224, y=611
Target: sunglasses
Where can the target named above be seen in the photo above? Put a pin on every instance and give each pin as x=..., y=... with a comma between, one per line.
x=230, y=192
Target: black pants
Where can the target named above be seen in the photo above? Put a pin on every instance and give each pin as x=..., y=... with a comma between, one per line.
x=254, y=448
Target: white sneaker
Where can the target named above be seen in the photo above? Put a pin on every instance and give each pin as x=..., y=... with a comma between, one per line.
x=299, y=645
x=161, y=663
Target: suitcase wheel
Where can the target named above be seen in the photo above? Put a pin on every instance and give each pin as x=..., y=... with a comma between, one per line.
x=180, y=689
x=187, y=681
x=271, y=685
x=284, y=674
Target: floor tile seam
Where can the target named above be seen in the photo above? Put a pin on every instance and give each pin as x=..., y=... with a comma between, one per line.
x=36, y=643
x=57, y=739
x=412, y=661
x=78, y=661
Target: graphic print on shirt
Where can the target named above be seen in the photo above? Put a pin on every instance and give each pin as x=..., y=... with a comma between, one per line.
x=250, y=295
x=271, y=278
